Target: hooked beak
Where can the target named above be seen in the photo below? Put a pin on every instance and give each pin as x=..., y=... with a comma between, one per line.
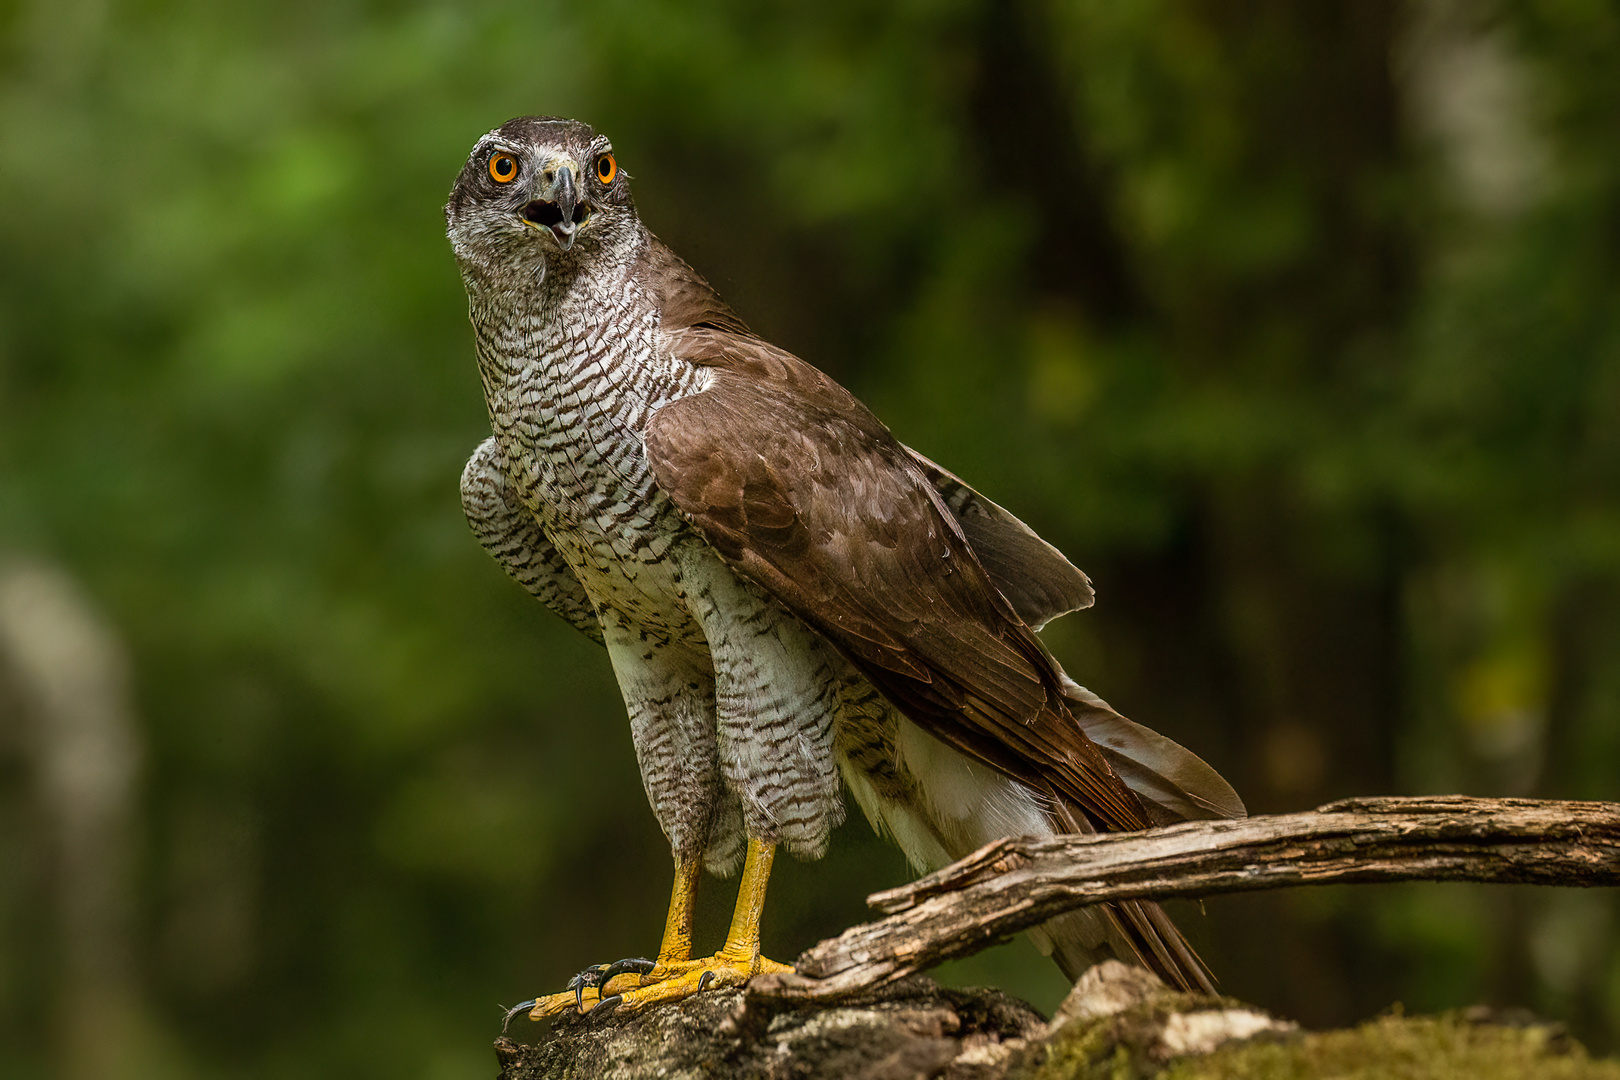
x=558, y=207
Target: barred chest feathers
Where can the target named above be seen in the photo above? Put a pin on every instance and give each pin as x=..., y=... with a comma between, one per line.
x=573, y=368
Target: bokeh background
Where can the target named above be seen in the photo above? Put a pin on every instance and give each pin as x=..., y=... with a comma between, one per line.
x=1297, y=325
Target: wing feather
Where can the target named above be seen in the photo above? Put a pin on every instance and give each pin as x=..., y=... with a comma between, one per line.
x=802, y=489
x=1033, y=575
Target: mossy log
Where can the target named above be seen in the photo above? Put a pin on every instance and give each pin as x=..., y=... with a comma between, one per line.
x=1119, y=1024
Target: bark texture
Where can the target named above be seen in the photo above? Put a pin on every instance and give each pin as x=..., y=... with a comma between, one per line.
x=1014, y=884
x=910, y=1029
x=1120, y=1023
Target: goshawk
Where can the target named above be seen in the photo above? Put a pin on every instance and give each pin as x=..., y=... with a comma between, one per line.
x=792, y=601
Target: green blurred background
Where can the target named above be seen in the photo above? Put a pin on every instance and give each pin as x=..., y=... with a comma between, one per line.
x=1296, y=324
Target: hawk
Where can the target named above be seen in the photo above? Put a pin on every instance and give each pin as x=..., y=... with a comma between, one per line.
x=792, y=601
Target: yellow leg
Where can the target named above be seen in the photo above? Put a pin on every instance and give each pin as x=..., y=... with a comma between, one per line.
x=675, y=975
x=742, y=940
x=676, y=947
x=677, y=943
x=736, y=962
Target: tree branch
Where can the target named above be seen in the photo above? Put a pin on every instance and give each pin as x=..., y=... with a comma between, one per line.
x=1012, y=885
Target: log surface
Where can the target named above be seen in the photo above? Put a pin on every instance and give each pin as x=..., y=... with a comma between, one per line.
x=1119, y=1022
x=913, y=1028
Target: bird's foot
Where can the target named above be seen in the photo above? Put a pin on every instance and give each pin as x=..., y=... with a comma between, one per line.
x=584, y=993
x=672, y=981
x=629, y=985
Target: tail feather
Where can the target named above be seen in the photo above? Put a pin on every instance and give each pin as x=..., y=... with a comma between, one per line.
x=1134, y=931
x=959, y=805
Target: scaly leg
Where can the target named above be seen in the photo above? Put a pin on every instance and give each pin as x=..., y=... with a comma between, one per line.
x=677, y=943
x=676, y=948
x=736, y=962
x=636, y=984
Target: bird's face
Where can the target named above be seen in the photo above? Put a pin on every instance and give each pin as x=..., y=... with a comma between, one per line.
x=538, y=192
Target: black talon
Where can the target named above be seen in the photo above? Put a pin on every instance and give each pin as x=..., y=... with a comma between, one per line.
x=636, y=965
x=598, y=975
x=587, y=979
x=606, y=1005
x=522, y=1006
x=704, y=980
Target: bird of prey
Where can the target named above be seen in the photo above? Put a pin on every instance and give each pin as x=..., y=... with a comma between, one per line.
x=792, y=601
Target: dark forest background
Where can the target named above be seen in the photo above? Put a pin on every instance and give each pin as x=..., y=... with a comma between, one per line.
x=1296, y=324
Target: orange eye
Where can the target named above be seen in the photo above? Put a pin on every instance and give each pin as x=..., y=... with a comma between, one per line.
x=606, y=168
x=503, y=168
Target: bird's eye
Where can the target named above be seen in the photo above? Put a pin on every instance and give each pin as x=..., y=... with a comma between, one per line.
x=503, y=168
x=606, y=168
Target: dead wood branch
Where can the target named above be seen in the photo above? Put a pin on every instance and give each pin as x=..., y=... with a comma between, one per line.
x=1012, y=885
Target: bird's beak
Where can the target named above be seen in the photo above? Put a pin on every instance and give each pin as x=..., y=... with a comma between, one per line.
x=557, y=206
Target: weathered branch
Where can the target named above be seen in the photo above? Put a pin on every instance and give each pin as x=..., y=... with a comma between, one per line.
x=1012, y=885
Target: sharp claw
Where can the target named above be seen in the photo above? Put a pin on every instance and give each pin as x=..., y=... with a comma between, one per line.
x=594, y=978
x=522, y=1006
x=606, y=1005
x=588, y=979
x=636, y=965
x=704, y=980
x=585, y=978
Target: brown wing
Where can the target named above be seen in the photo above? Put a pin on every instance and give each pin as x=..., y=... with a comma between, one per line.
x=1033, y=575
x=802, y=489
x=684, y=300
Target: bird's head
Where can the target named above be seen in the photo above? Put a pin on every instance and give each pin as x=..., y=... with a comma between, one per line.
x=538, y=191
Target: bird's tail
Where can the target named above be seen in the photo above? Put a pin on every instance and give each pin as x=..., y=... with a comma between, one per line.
x=961, y=805
x=1134, y=931
x=1174, y=784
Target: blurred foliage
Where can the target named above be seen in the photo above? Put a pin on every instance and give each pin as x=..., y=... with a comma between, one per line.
x=1296, y=325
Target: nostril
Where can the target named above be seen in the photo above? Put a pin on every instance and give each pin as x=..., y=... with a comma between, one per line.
x=551, y=176
x=543, y=213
